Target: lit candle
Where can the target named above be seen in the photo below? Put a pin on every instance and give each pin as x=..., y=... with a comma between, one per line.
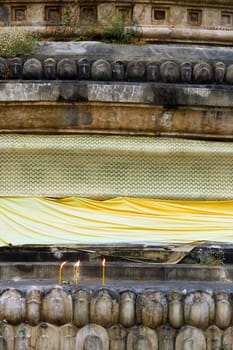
x=103, y=271
x=60, y=271
x=77, y=271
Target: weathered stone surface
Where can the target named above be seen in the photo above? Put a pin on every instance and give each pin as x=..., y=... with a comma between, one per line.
x=47, y=337
x=66, y=69
x=33, y=305
x=81, y=306
x=190, y=338
x=50, y=69
x=16, y=68
x=127, y=309
x=8, y=336
x=176, y=309
x=219, y=72
x=228, y=338
x=32, y=69
x=117, y=337
x=152, y=72
x=166, y=336
x=12, y=306
x=105, y=308
x=118, y=71
x=223, y=310
x=67, y=337
x=202, y=73
x=152, y=309
x=199, y=309
x=4, y=69
x=84, y=69
x=142, y=338
x=136, y=71
x=229, y=74
x=186, y=72
x=169, y=72
x=213, y=338
x=101, y=70
x=92, y=337
x=57, y=307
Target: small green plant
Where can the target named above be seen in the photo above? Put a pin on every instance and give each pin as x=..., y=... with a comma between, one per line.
x=210, y=257
x=22, y=330
x=3, y=326
x=223, y=347
x=16, y=42
x=114, y=31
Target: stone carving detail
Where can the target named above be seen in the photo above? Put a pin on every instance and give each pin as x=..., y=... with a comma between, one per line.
x=170, y=72
x=152, y=309
x=117, y=337
x=202, y=73
x=223, y=312
x=228, y=338
x=32, y=69
x=213, y=338
x=92, y=337
x=219, y=72
x=190, y=338
x=23, y=337
x=105, y=308
x=186, y=72
x=47, y=337
x=4, y=69
x=142, y=338
x=127, y=309
x=118, y=71
x=16, y=68
x=101, y=70
x=12, y=306
x=229, y=74
x=57, y=307
x=199, y=309
x=68, y=334
x=81, y=304
x=166, y=337
x=84, y=69
x=152, y=72
x=136, y=71
x=50, y=69
x=175, y=309
x=8, y=337
x=33, y=305
x=66, y=69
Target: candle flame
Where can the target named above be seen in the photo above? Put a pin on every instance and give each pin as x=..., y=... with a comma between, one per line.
x=103, y=262
x=63, y=264
x=77, y=264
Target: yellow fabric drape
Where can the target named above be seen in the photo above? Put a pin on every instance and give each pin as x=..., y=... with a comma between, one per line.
x=78, y=220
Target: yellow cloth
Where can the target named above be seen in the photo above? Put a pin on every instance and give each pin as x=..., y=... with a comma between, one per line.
x=131, y=220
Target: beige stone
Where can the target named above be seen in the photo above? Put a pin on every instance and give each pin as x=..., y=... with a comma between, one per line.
x=199, y=309
x=33, y=305
x=57, y=307
x=127, y=309
x=117, y=337
x=152, y=309
x=47, y=337
x=12, y=306
x=67, y=336
x=176, y=309
x=9, y=336
x=213, y=338
x=166, y=335
x=23, y=337
x=223, y=310
x=105, y=308
x=142, y=338
x=190, y=338
x=81, y=306
x=92, y=337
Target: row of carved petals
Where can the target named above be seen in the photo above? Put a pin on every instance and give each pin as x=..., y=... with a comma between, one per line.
x=117, y=337
x=102, y=70
x=106, y=308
